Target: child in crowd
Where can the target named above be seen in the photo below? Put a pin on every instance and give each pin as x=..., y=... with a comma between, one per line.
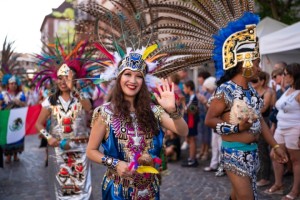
x=192, y=118
x=172, y=143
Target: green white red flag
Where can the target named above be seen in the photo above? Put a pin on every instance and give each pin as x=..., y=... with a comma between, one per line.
x=18, y=122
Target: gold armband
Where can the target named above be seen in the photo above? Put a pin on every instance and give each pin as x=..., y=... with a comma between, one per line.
x=176, y=115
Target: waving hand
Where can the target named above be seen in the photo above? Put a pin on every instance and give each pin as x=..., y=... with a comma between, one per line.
x=166, y=96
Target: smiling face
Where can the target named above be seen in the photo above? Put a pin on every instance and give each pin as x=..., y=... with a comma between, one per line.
x=61, y=83
x=131, y=83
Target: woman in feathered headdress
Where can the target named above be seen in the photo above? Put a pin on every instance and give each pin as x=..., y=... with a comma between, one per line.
x=223, y=32
x=12, y=96
x=130, y=125
x=66, y=108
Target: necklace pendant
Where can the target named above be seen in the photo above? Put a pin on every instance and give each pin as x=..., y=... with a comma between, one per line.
x=137, y=140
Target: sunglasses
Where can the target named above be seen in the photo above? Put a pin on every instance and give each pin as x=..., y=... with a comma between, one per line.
x=254, y=81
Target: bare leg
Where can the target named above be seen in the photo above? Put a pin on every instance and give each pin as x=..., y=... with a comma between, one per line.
x=169, y=151
x=232, y=194
x=242, y=187
x=205, y=152
x=193, y=147
x=16, y=157
x=295, y=158
x=8, y=159
x=278, y=170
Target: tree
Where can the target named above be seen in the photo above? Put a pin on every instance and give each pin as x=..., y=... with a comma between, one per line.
x=285, y=11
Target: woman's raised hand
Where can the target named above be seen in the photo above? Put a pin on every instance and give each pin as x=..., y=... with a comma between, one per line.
x=166, y=96
x=69, y=80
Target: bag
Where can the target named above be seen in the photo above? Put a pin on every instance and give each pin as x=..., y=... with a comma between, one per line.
x=273, y=115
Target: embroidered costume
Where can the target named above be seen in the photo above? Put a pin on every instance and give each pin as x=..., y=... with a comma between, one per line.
x=125, y=140
x=8, y=103
x=239, y=158
x=126, y=34
x=70, y=170
x=223, y=32
x=8, y=98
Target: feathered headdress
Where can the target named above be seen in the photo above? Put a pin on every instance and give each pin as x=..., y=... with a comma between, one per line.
x=59, y=59
x=9, y=64
x=125, y=32
x=184, y=35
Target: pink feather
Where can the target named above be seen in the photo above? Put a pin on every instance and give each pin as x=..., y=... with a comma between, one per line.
x=104, y=51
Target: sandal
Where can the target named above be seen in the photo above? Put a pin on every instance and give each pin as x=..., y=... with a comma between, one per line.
x=262, y=183
x=289, y=197
x=209, y=169
x=275, y=189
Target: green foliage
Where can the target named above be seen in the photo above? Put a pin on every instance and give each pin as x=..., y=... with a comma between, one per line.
x=286, y=11
x=69, y=13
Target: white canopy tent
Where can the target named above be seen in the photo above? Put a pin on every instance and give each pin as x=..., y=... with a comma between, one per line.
x=281, y=45
x=268, y=25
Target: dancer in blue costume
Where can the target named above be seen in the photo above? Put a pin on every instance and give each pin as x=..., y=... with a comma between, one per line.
x=235, y=108
x=129, y=128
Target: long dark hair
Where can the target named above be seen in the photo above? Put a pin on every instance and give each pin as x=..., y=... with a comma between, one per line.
x=142, y=102
x=54, y=96
x=229, y=74
x=294, y=71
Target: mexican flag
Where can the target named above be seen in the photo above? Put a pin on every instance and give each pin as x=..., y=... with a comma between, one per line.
x=18, y=122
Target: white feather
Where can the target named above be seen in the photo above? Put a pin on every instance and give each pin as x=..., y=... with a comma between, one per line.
x=151, y=81
x=110, y=73
x=151, y=65
x=117, y=58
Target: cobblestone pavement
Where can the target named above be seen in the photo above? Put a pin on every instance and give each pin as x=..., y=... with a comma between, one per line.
x=27, y=179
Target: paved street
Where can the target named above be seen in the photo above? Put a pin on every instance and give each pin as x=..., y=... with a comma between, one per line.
x=27, y=180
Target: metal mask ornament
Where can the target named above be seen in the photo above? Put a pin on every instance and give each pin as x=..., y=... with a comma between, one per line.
x=63, y=70
x=237, y=41
x=133, y=62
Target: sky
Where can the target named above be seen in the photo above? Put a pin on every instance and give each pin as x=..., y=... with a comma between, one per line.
x=21, y=20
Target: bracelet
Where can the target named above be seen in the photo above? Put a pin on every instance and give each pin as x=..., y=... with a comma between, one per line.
x=110, y=162
x=177, y=114
x=226, y=128
x=276, y=146
x=78, y=94
x=63, y=144
x=45, y=134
